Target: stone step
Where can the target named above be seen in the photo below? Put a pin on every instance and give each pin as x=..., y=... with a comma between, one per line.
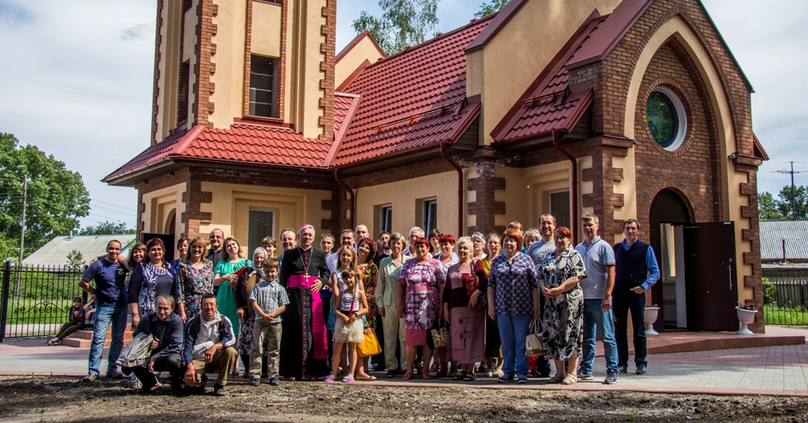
x=83, y=338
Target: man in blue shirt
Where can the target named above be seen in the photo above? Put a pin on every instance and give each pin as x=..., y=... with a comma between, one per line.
x=598, y=258
x=636, y=270
x=110, y=294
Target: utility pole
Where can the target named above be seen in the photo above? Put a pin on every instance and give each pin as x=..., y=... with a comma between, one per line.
x=22, y=231
x=793, y=194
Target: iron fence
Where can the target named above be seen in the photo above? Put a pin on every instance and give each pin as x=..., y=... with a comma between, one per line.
x=36, y=300
x=786, y=298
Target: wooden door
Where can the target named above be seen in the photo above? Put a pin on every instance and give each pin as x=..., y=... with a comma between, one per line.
x=711, y=286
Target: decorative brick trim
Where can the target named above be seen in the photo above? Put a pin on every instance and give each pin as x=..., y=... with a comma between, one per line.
x=282, y=66
x=327, y=48
x=156, y=91
x=245, y=106
x=205, y=49
x=485, y=208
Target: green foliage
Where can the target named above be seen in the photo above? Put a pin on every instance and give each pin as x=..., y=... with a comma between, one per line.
x=768, y=291
x=107, y=228
x=57, y=197
x=75, y=260
x=8, y=248
x=800, y=208
x=403, y=23
x=787, y=316
x=489, y=8
x=767, y=207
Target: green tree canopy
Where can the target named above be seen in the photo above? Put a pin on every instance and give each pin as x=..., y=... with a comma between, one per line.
x=107, y=228
x=770, y=208
x=489, y=8
x=403, y=23
x=56, y=196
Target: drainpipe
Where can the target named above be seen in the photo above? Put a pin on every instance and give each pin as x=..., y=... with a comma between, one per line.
x=459, y=170
x=574, y=222
x=352, y=208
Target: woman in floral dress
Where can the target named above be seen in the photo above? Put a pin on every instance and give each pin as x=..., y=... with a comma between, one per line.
x=368, y=272
x=419, y=282
x=194, y=279
x=563, y=311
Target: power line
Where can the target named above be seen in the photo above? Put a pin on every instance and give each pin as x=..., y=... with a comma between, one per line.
x=792, y=194
x=109, y=204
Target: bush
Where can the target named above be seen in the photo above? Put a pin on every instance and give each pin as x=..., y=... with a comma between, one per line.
x=769, y=290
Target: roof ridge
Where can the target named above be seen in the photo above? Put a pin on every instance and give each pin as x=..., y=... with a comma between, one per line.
x=408, y=49
x=189, y=137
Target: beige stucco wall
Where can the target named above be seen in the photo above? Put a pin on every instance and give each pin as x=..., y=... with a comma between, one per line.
x=365, y=49
x=231, y=205
x=730, y=179
x=540, y=181
x=228, y=96
x=168, y=67
x=522, y=61
x=625, y=187
x=266, y=29
x=303, y=58
x=160, y=205
x=404, y=198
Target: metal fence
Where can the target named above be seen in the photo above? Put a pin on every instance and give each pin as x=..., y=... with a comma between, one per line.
x=786, y=298
x=36, y=300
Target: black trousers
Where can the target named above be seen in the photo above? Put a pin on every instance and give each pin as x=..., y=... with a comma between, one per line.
x=622, y=305
x=171, y=363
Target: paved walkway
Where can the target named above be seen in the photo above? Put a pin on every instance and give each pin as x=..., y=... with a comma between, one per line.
x=773, y=370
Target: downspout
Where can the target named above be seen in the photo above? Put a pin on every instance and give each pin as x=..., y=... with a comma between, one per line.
x=459, y=170
x=352, y=208
x=574, y=222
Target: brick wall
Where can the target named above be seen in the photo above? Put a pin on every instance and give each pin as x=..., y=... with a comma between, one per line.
x=203, y=68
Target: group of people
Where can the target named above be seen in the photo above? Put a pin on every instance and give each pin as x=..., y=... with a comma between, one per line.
x=437, y=304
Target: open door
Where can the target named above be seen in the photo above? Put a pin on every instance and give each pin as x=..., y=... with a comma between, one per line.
x=712, y=290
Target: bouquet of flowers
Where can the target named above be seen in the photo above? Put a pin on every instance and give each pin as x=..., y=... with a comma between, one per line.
x=471, y=283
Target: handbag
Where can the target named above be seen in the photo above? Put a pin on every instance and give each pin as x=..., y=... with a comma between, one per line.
x=369, y=346
x=534, y=341
x=472, y=284
x=439, y=335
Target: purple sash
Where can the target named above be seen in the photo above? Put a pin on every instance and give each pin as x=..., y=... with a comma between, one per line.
x=318, y=330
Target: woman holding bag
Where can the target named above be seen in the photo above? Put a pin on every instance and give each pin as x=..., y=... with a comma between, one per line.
x=465, y=291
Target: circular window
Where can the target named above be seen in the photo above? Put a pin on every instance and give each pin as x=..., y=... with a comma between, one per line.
x=666, y=118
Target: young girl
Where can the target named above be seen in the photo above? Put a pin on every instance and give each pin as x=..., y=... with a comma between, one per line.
x=350, y=305
x=346, y=257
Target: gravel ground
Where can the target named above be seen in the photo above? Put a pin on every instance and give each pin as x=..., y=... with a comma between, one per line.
x=43, y=399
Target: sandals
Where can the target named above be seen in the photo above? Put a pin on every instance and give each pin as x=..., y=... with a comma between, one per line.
x=348, y=379
x=367, y=379
x=557, y=378
x=469, y=377
x=407, y=375
x=441, y=374
x=570, y=379
x=425, y=374
x=458, y=376
x=327, y=379
x=390, y=374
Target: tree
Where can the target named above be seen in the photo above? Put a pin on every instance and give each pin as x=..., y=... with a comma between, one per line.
x=487, y=9
x=767, y=207
x=793, y=195
x=75, y=260
x=56, y=197
x=107, y=228
x=403, y=23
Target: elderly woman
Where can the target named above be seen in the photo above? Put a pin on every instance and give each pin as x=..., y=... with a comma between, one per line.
x=478, y=246
x=559, y=275
x=387, y=303
x=466, y=283
x=244, y=286
x=493, y=249
x=420, y=280
x=150, y=278
x=303, y=272
x=194, y=279
x=227, y=271
x=513, y=300
x=447, y=258
x=368, y=272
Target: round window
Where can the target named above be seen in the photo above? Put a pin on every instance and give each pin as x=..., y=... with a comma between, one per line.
x=666, y=118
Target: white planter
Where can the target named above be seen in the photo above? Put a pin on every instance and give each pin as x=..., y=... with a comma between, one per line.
x=651, y=314
x=745, y=317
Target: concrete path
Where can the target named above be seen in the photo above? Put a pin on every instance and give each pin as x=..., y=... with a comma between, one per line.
x=772, y=370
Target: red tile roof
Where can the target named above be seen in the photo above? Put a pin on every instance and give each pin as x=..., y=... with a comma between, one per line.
x=412, y=100
x=549, y=104
x=243, y=143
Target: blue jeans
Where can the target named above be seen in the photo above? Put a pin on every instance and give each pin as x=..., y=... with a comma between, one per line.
x=513, y=333
x=594, y=318
x=104, y=315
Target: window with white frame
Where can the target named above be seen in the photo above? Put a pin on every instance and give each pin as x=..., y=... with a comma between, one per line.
x=386, y=219
x=430, y=215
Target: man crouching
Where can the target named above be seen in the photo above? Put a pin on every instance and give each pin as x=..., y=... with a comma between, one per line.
x=209, y=348
x=165, y=350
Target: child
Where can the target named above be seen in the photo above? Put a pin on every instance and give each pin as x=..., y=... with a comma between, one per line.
x=346, y=259
x=75, y=321
x=350, y=305
x=269, y=301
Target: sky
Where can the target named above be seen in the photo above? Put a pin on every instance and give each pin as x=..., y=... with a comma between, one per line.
x=77, y=81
